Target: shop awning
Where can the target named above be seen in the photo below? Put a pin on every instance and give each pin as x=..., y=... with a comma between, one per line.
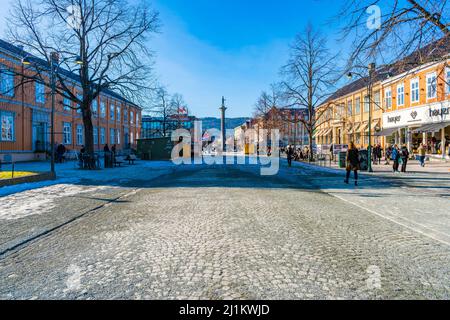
x=431, y=128
x=364, y=126
x=355, y=128
x=327, y=132
x=318, y=133
x=375, y=123
x=386, y=132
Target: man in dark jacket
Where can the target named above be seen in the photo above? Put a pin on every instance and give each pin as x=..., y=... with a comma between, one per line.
x=404, y=154
x=352, y=163
x=290, y=155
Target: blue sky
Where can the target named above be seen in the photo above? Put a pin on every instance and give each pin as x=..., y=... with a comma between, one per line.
x=230, y=47
x=235, y=48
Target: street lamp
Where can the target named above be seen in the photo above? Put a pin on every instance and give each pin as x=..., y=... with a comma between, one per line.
x=371, y=71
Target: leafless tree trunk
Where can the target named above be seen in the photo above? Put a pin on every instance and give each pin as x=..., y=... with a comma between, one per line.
x=108, y=38
x=309, y=77
x=163, y=108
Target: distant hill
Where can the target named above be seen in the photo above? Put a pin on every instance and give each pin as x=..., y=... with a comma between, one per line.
x=214, y=123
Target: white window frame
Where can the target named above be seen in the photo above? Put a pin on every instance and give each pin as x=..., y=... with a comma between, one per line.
x=39, y=92
x=102, y=136
x=131, y=117
x=430, y=85
x=94, y=108
x=112, y=136
x=67, y=133
x=96, y=136
x=447, y=80
x=102, y=109
x=358, y=106
x=7, y=82
x=415, y=92
x=7, y=119
x=118, y=136
x=388, y=98
x=80, y=135
x=401, y=93
x=112, y=112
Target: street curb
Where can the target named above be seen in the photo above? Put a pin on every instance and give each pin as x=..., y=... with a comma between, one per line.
x=29, y=179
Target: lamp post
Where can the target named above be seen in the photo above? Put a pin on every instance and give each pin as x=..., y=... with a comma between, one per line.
x=371, y=69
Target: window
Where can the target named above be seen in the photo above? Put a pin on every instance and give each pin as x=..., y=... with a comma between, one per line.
x=67, y=104
x=358, y=106
x=358, y=138
x=431, y=86
x=67, y=133
x=118, y=113
x=415, y=90
x=102, y=109
x=366, y=104
x=447, y=80
x=79, y=97
x=137, y=119
x=388, y=98
x=401, y=95
x=80, y=140
x=349, y=108
x=112, y=111
x=94, y=108
x=131, y=117
x=96, y=135
x=102, y=136
x=112, y=136
x=125, y=114
x=40, y=92
x=7, y=83
x=131, y=138
x=7, y=126
x=118, y=136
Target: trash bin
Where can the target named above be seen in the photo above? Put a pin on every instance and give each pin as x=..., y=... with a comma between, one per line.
x=342, y=159
x=364, y=160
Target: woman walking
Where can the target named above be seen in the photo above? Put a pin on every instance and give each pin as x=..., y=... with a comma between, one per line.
x=395, y=156
x=352, y=163
x=422, y=154
x=404, y=154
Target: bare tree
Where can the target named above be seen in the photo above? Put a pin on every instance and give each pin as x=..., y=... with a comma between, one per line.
x=309, y=76
x=179, y=107
x=163, y=107
x=108, y=39
x=384, y=31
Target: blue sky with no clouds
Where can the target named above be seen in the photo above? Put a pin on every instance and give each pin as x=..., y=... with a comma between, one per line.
x=210, y=48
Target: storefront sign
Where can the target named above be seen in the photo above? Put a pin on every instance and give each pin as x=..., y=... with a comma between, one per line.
x=413, y=117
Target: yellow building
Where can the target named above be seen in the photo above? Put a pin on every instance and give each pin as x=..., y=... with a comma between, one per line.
x=410, y=106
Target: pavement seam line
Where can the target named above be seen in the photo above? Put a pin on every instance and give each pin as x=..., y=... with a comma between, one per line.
x=22, y=245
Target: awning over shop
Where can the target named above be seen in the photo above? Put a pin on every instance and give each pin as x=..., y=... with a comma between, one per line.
x=375, y=123
x=355, y=128
x=431, y=128
x=318, y=133
x=386, y=132
x=327, y=132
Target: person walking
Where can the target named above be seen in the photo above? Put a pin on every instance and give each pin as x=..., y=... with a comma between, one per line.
x=422, y=151
x=290, y=155
x=379, y=153
x=60, y=151
x=404, y=154
x=395, y=156
x=352, y=163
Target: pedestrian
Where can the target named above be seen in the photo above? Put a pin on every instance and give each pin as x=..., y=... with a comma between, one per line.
x=106, y=148
x=388, y=154
x=113, y=149
x=60, y=151
x=290, y=155
x=404, y=154
x=422, y=154
x=352, y=163
x=395, y=156
x=379, y=154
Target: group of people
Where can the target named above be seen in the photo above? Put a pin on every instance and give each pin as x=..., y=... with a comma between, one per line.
x=297, y=155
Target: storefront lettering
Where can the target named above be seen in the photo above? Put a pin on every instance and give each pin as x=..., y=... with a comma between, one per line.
x=394, y=119
x=439, y=112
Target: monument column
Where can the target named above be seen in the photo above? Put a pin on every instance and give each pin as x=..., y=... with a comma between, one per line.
x=224, y=130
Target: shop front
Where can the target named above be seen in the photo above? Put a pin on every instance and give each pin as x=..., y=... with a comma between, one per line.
x=428, y=125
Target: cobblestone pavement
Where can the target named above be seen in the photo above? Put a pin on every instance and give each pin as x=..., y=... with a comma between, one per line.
x=225, y=233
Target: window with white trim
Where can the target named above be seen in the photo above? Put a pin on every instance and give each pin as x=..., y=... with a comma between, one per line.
x=102, y=109
x=388, y=98
x=7, y=82
x=79, y=97
x=102, y=136
x=401, y=94
x=7, y=126
x=349, y=108
x=431, y=86
x=67, y=133
x=131, y=117
x=40, y=92
x=112, y=136
x=80, y=138
x=118, y=113
x=447, y=80
x=415, y=91
x=358, y=106
x=366, y=104
x=131, y=138
x=94, y=108
x=118, y=136
x=96, y=135
x=67, y=103
x=112, y=111
x=125, y=114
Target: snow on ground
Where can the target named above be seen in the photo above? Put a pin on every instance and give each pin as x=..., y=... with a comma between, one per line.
x=39, y=200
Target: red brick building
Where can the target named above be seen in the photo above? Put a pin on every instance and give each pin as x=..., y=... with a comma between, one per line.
x=25, y=111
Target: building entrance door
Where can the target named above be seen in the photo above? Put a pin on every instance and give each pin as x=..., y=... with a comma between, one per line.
x=39, y=137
